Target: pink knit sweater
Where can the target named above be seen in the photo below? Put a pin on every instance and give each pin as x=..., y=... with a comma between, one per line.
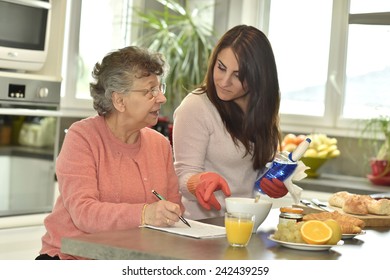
x=104, y=183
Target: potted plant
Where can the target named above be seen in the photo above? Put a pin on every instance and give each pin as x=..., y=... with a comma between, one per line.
x=186, y=40
x=378, y=129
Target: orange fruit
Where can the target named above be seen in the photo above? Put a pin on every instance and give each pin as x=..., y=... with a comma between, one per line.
x=336, y=231
x=316, y=232
x=299, y=139
x=289, y=139
x=289, y=147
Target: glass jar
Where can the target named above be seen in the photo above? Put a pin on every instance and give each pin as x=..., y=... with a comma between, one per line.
x=287, y=214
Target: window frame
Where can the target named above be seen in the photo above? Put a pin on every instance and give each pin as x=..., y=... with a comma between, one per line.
x=69, y=102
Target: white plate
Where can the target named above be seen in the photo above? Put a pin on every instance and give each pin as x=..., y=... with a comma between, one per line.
x=303, y=246
x=351, y=235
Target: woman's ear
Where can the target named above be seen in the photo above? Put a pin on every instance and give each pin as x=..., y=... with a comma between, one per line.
x=118, y=101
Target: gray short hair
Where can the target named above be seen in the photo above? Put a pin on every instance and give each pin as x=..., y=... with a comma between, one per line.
x=117, y=72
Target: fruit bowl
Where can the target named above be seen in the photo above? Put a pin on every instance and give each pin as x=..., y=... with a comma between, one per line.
x=314, y=164
x=321, y=149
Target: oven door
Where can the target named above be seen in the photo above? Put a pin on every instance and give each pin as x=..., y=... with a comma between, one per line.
x=24, y=23
x=27, y=168
x=30, y=190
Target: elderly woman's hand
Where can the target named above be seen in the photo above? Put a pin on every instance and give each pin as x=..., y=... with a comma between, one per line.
x=162, y=213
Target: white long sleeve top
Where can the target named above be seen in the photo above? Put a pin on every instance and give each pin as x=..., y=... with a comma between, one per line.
x=201, y=143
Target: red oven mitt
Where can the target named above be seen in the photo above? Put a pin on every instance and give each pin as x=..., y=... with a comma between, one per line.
x=274, y=188
x=203, y=186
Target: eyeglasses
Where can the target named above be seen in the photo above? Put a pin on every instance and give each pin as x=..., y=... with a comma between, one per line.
x=154, y=91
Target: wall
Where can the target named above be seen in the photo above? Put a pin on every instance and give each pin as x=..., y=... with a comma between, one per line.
x=353, y=161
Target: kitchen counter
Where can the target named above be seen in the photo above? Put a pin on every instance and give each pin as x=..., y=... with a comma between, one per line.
x=335, y=183
x=144, y=243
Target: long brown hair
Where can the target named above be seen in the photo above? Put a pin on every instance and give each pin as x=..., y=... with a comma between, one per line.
x=257, y=129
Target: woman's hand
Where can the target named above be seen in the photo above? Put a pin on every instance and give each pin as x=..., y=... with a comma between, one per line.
x=210, y=182
x=162, y=213
x=274, y=188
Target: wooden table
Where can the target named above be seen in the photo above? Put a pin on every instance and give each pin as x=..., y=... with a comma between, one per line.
x=144, y=243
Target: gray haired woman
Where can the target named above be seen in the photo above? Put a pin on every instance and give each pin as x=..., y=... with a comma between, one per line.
x=110, y=163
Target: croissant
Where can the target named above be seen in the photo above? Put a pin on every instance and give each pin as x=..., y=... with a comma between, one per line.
x=350, y=229
x=347, y=223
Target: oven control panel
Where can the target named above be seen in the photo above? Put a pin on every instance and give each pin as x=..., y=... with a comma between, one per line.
x=36, y=93
x=16, y=91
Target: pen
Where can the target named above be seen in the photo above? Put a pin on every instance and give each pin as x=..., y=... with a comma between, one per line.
x=159, y=196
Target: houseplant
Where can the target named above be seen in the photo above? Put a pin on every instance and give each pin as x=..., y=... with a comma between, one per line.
x=186, y=40
x=378, y=130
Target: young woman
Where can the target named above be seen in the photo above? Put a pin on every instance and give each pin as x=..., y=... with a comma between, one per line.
x=226, y=131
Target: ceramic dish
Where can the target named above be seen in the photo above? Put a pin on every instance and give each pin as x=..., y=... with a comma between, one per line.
x=351, y=235
x=303, y=246
x=378, y=196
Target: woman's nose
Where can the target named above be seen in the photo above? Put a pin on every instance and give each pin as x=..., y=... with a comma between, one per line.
x=225, y=80
x=160, y=98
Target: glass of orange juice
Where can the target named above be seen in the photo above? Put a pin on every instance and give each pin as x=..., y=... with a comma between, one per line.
x=239, y=228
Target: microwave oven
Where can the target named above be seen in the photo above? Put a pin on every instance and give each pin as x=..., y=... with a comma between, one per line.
x=24, y=34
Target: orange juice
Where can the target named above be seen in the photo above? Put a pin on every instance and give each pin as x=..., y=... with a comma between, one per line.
x=239, y=229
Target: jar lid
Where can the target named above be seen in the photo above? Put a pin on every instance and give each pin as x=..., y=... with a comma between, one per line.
x=294, y=210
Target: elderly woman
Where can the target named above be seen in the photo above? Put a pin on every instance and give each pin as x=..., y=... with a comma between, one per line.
x=110, y=163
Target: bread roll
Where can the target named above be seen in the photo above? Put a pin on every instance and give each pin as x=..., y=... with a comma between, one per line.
x=356, y=204
x=379, y=207
x=338, y=199
x=359, y=204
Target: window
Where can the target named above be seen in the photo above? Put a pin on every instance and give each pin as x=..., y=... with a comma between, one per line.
x=300, y=40
x=101, y=34
x=333, y=61
x=367, y=85
x=96, y=28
